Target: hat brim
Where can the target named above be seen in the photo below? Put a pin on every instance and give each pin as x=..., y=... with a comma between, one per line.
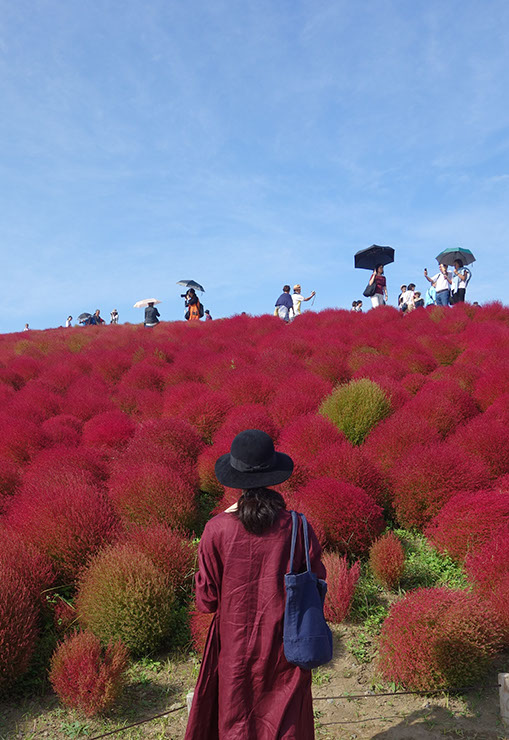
x=279, y=472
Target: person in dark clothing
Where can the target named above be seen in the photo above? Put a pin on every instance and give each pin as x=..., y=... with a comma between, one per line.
x=284, y=304
x=192, y=305
x=208, y=317
x=151, y=316
x=97, y=319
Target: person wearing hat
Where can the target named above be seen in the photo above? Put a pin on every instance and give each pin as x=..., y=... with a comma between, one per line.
x=297, y=299
x=246, y=688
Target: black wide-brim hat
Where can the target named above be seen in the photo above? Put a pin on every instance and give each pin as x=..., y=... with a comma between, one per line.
x=253, y=462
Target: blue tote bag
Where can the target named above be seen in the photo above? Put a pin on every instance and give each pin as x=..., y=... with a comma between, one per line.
x=307, y=639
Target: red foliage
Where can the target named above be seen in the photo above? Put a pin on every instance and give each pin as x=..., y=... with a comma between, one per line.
x=86, y=397
x=343, y=515
x=488, y=569
x=467, y=521
x=443, y=404
x=35, y=402
x=19, y=438
x=68, y=521
x=487, y=438
x=437, y=638
x=299, y=394
x=65, y=617
x=19, y=615
x=147, y=493
x=168, y=549
x=63, y=429
x=306, y=436
x=249, y=385
x=158, y=437
x=86, y=676
x=145, y=375
x=32, y=568
x=394, y=437
x=9, y=480
x=427, y=477
x=492, y=384
x=59, y=463
x=199, y=625
x=247, y=416
x=203, y=408
x=346, y=462
x=387, y=560
x=341, y=582
x=110, y=430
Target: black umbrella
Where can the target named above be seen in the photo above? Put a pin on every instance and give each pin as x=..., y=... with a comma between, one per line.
x=368, y=259
x=84, y=316
x=191, y=284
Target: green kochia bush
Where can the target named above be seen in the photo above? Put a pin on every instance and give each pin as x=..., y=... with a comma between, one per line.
x=124, y=595
x=355, y=408
x=438, y=638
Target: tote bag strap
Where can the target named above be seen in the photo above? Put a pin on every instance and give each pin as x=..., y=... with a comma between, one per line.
x=295, y=527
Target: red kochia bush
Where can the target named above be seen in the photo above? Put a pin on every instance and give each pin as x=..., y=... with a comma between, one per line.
x=35, y=402
x=343, y=461
x=426, y=478
x=147, y=493
x=249, y=385
x=168, y=549
x=343, y=515
x=10, y=478
x=199, y=625
x=109, y=430
x=19, y=614
x=247, y=416
x=396, y=436
x=87, y=677
x=488, y=569
x=443, y=404
x=59, y=462
x=299, y=394
x=467, y=521
x=68, y=521
x=488, y=439
x=437, y=638
x=86, y=397
x=156, y=437
x=19, y=438
x=387, y=560
x=32, y=568
x=63, y=429
x=341, y=582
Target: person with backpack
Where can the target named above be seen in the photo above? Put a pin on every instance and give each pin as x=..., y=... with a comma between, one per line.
x=460, y=280
x=194, y=307
x=284, y=304
x=246, y=687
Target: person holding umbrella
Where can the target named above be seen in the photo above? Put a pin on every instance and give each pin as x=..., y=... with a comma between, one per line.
x=194, y=308
x=460, y=281
x=380, y=297
x=151, y=316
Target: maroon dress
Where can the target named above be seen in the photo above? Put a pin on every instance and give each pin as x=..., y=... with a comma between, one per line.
x=246, y=689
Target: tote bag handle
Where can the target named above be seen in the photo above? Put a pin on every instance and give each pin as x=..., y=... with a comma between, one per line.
x=295, y=529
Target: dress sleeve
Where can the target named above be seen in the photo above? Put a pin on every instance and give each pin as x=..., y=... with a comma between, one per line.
x=209, y=576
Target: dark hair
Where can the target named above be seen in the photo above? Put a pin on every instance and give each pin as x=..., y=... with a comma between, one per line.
x=286, y=288
x=411, y=286
x=258, y=509
x=460, y=262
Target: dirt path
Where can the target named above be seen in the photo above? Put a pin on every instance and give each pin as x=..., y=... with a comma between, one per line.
x=155, y=686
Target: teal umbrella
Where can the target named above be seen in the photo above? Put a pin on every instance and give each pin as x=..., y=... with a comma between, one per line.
x=449, y=256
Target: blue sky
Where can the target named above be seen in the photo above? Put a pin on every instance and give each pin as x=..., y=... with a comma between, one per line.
x=245, y=145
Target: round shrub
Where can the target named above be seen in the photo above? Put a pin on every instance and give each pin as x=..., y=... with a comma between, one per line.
x=427, y=477
x=168, y=549
x=68, y=521
x=32, y=568
x=467, y=521
x=124, y=596
x=63, y=429
x=341, y=583
x=342, y=461
x=87, y=676
x=159, y=436
x=86, y=397
x=19, y=615
x=110, y=430
x=387, y=560
x=59, y=463
x=247, y=416
x=355, y=408
x=395, y=437
x=343, y=515
x=437, y=638
x=300, y=394
x=247, y=385
x=146, y=493
x=488, y=439
x=306, y=436
x=20, y=438
x=206, y=465
x=145, y=375
x=10, y=478
x=199, y=625
x=488, y=569
x=443, y=405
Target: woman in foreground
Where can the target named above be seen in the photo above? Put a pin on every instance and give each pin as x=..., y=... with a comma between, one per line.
x=246, y=689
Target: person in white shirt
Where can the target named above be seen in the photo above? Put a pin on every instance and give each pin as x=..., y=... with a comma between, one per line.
x=459, y=282
x=68, y=322
x=297, y=299
x=442, y=282
x=407, y=298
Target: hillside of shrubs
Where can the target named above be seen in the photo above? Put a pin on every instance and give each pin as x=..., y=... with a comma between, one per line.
x=399, y=429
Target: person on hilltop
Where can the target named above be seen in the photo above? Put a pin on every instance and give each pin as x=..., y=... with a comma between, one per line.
x=151, y=316
x=194, y=308
x=442, y=283
x=284, y=304
x=298, y=299
x=401, y=303
x=246, y=688
x=460, y=280
x=26, y=328
x=380, y=297
x=97, y=319
x=407, y=298
x=68, y=322
x=114, y=316
x=418, y=300
x=208, y=317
